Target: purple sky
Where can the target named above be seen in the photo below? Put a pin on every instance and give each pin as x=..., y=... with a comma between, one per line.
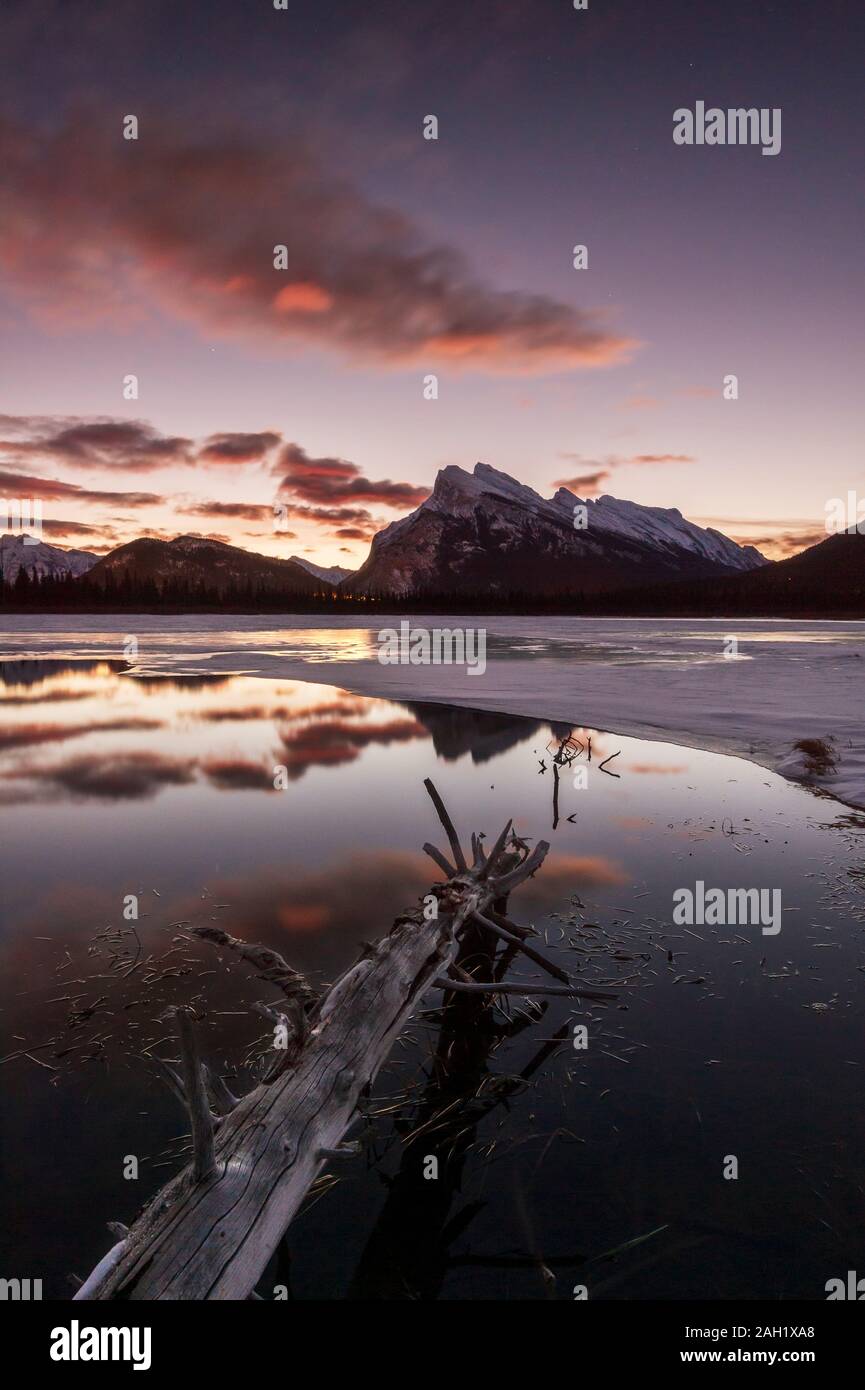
x=407, y=256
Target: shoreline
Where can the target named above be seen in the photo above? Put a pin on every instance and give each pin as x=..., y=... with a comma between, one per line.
x=846, y=784
x=791, y=682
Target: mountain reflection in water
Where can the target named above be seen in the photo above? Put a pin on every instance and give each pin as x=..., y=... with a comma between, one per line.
x=558, y=1167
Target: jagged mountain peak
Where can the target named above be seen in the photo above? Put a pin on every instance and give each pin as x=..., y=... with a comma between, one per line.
x=486, y=531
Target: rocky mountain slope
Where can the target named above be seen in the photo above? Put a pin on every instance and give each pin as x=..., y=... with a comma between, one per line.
x=193, y=560
x=485, y=532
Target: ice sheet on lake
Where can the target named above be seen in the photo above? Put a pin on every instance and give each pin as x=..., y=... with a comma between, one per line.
x=670, y=679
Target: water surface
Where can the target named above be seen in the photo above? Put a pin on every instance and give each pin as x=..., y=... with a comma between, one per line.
x=721, y=1041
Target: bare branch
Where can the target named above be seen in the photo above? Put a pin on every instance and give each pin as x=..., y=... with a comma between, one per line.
x=203, y=1165
x=495, y=851
x=173, y=1081
x=436, y=855
x=521, y=945
x=212, y=1239
x=571, y=991
x=221, y=1099
x=456, y=847
x=270, y=964
x=515, y=928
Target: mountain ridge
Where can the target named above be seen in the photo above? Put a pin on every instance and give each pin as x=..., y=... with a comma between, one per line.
x=212, y=564
x=331, y=574
x=485, y=530
x=40, y=558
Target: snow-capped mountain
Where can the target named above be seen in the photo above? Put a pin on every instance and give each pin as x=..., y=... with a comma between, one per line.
x=334, y=575
x=662, y=527
x=485, y=532
x=17, y=552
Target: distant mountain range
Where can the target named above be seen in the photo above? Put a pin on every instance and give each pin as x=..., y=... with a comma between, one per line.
x=334, y=575
x=480, y=537
x=193, y=561
x=17, y=552
x=483, y=532
x=826, y=580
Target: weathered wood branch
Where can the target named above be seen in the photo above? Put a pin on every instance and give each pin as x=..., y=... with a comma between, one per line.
x=173, y=1081
x=438, y=858
x=520, y=944
x=210, y=1232
x=221, y=1098
x=515, y=928
x=453, y=837
x=203, y=1165
x=269, y=964
x=488, y=987
x=490, y=861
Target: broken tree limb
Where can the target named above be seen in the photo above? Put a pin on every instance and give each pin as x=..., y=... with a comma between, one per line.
x=453, y=837
x=221, y=1099
x=488, y=987
x=513, y=927
x=100, y=1273
x=520, y=945
x=489, y=863
x=212, y=1240
x=211, y=1231
x=438, y=858
x=203, y=1165
x=269, y=964
x=173, y=1081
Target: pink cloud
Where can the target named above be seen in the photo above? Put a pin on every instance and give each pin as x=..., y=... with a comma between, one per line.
x=193, y=224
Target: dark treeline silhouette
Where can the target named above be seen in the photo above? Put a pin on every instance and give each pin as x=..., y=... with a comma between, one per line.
x=777, y=591
x=122, y=593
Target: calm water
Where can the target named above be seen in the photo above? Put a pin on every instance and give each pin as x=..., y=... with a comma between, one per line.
x=601, y=1167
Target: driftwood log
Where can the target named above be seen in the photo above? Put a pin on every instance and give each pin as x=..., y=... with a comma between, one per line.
x=211, y=1231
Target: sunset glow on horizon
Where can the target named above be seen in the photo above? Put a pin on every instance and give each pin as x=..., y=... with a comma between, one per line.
x=225, y=322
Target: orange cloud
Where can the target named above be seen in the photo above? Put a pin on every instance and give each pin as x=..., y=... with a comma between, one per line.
x=779, y=545
x=303, y=298
x=587, y=485
x=189, y=224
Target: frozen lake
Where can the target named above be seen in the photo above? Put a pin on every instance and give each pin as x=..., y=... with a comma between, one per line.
x=789, y=682
x=602, y=1166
